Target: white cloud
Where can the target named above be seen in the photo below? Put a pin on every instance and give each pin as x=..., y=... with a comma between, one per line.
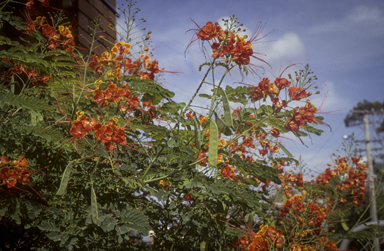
x=361, y=19
x=287, y=47
x=366, y=14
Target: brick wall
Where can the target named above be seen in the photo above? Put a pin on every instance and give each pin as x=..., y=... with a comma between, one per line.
x=83, y=12
x=80, y=15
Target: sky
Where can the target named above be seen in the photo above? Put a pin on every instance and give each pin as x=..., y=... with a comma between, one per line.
x=342, y=41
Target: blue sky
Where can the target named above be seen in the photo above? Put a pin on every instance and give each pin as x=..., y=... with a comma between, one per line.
x=342, y=41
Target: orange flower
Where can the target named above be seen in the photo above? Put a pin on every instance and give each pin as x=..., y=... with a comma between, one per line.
x=95, y=64
x=121, y=48
x=209, y=31
x=227, y=171
x=297, y=93
x=259, y=244
x=261, y=90
x=282, y=83
x=48, y=30
x=200, y=156
x=202, y=119
x=112, y=94
x=275, y=236
x=275, y=132
x=21, y=163
x=9, y=176
x=165, y=184
x=189, y=115
x=108, y=58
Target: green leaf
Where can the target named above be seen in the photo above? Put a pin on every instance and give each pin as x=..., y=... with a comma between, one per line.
x=120, y=230
x=223, y=127
x=108, y=224
x=344, y=225
x=203, y=95
x=3, y=211
x=29, y=102
x=315, y=131
x=65, y=179
x=213, y=143
x=94, y=210
x=285, y=150
x=134, y=219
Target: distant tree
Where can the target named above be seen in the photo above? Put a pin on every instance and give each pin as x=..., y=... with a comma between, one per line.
x=353, y=118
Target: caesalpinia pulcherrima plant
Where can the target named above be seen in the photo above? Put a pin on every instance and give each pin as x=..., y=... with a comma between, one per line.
x=117, y=156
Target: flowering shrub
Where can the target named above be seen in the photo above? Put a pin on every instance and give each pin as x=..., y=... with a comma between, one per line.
x=117, y=155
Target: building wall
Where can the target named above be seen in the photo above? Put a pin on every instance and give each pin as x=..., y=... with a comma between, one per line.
x=81, y=14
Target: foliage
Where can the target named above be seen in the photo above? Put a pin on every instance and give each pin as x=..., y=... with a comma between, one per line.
x=352, y=118
x=94, y=150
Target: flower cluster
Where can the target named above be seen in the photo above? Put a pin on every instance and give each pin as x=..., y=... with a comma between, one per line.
x=353, y=178
x=265, y=238
x=30, y=3
x=253, y=140
x=228, y=44
x=109, y=133
x=52, y=34
x=308, y=218
x=289, y=181
x=15, y=171
x=267, y=89
x=301, y=116
x=119, y=61
x=18, y=69
x=166, y=184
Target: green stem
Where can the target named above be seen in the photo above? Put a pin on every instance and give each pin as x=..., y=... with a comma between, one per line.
x=198, y=89
x=216, y=90
x=153, y=161
x=88, y=58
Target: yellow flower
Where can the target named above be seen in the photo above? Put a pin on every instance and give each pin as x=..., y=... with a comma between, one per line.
x=79, y=115
x=219, y=158
x=165, y=183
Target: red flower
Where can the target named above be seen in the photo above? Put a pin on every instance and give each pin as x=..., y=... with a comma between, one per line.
x=45, y=78
x=281, y=83
x=189, y=197
x=112, y=94
x=95, y=64
x=263, y=152
x=48, y=30
x=297, y=93
x=209, y=31
x=227, y=171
